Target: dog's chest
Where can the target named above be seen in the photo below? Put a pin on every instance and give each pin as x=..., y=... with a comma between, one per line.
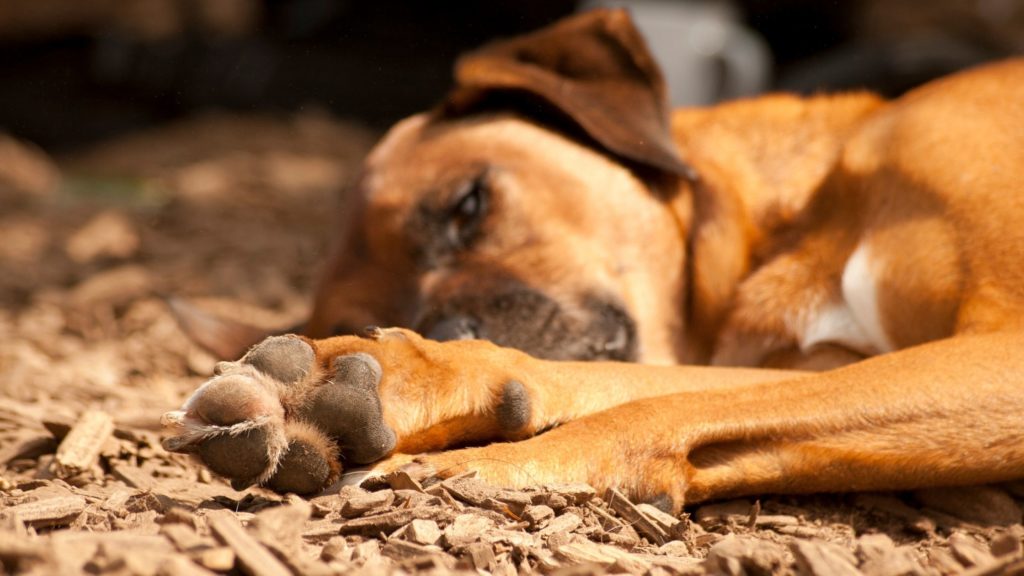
x=796, y=306
x=850, y=317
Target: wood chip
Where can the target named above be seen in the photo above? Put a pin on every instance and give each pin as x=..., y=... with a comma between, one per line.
x=969, y=551
x=942, y=561
x=336, y=548
x=253, y=558
x=132, y=476
x=723, y=512
x=665, y=520
x=15, y=550
x=28, y=447
x=390, y=521
x=80, y=449
x=481, y=556
x=901, y=561
x=184, y=538
x=366, y=551
x=403, y=550
x=775, y=520
x=217, y=558
x=623, y=507
x=823, y=559
x=469, y=490
x=414, y=499
x=401, y=480
x=466, y=529
x=871, y=546
x=561, y=524
x=359, y=505
x=513, y=538
x=424, y=532
x=1001, y=566
x=535, y=515
x=58, y=511
x=577, y=494
x=280, y=528
x=742, y=555
x=616, y=531
x=583, y=551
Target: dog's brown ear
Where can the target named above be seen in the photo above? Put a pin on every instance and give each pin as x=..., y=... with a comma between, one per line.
x=595, y=69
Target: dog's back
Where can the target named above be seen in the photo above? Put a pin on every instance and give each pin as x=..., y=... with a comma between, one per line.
x=861, y=226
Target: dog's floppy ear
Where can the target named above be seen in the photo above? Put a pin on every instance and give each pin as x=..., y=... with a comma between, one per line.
x=593, y=68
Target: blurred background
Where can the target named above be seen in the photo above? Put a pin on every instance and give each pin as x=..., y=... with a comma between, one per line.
x=196, y=148
x=75, y=71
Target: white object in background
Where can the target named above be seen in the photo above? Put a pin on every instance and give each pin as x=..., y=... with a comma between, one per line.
x=705, y=53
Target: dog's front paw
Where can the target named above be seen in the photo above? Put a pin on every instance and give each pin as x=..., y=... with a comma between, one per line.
x=238, y=423
x=291, y=410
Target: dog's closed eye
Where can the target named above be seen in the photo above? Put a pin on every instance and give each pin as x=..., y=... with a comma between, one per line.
x=467, y=212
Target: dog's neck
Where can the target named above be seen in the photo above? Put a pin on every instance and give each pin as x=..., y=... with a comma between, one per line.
x=760, y=162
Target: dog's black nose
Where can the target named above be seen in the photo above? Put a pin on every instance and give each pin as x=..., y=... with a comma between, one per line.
x=453, y=328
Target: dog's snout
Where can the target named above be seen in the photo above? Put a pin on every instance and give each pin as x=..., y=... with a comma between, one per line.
x=457, y=327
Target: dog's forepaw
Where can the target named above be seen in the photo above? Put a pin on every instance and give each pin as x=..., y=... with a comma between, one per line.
x=282, y=418
x=238, y=425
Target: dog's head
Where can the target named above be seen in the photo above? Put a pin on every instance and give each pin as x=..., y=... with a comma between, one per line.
x=533, y=208
x=542, y=206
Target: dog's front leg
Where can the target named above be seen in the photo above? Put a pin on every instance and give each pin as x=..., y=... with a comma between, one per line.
x=285, y=412
x=946, y=413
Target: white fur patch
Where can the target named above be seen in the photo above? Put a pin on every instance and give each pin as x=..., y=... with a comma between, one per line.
x=855, y=321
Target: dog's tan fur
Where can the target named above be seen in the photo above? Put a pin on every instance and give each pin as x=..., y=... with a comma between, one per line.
x=731, y=244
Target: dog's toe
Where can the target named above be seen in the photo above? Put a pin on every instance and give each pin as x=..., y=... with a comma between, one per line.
x=231, y=399
x=243, y=457
x=233, y=423
x=309, y=464
x=287, y=359
x=347, y=407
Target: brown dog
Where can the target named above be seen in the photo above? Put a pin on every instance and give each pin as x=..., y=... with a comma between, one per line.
x=553, y=206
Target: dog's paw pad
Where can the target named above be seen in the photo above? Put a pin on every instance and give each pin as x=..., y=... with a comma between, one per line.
x=233, y=423
x=244, y=456
x=308, y=465
x=359, y=370
x=348, y=408
x=287, y=359
x=513, y=410
x=231, y=399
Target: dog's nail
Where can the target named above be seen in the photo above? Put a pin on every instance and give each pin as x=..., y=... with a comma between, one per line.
x=223, y=367
x=287, y=359
x=172, y=418
x=178, y=444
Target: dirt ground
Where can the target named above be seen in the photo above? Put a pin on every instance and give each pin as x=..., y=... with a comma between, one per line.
x=234, y=213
